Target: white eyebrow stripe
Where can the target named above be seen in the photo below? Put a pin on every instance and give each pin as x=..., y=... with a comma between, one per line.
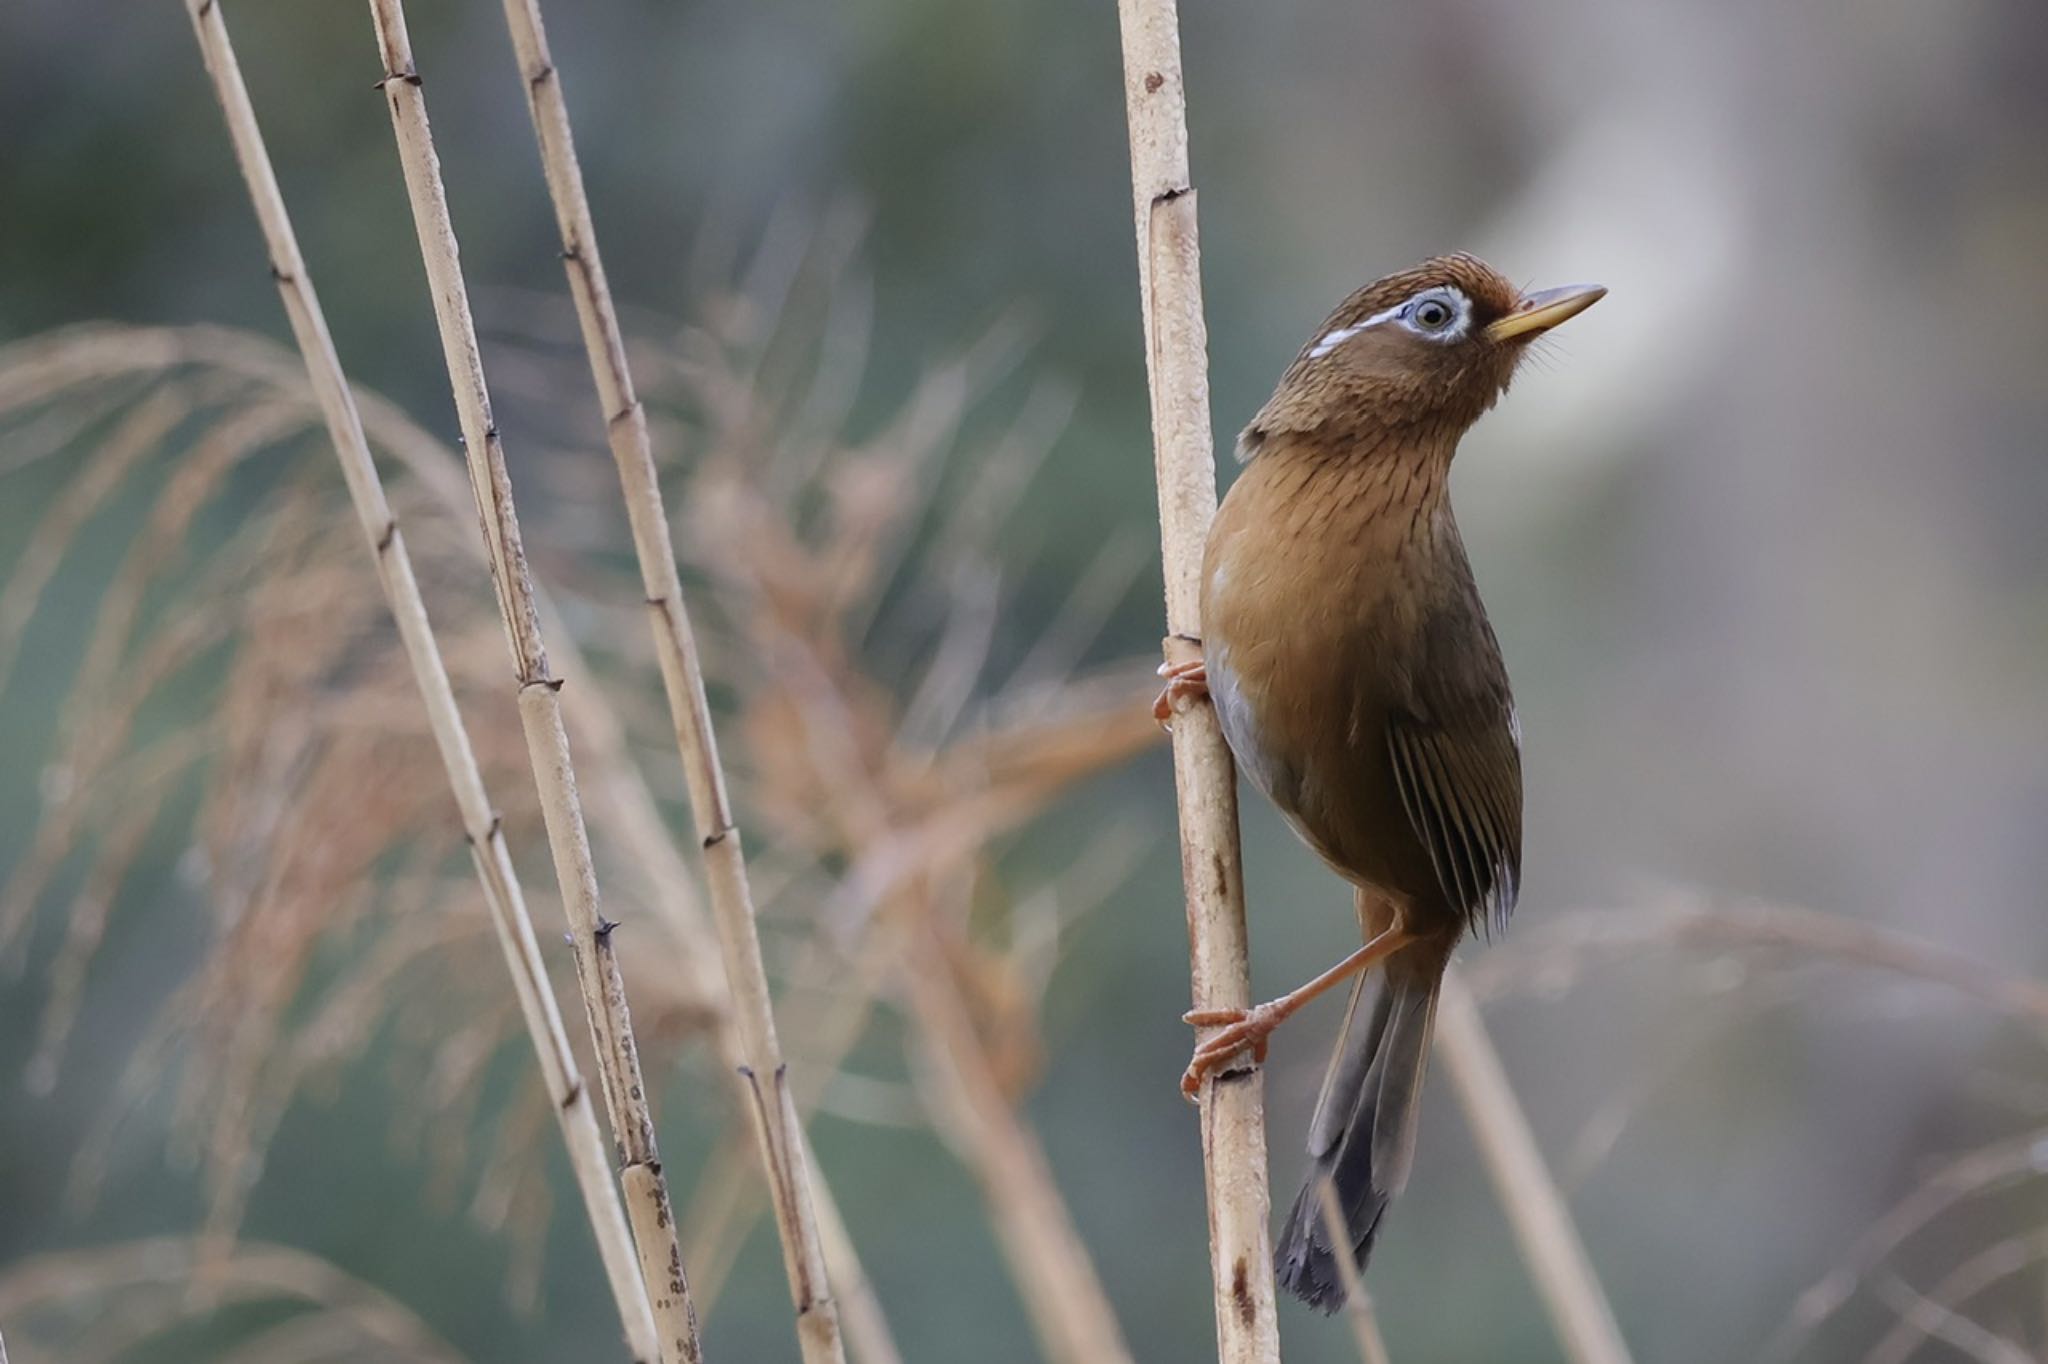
x=1333, y=339
x=1337, y=336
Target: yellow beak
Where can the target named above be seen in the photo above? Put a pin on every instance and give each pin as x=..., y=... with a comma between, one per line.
x=1539, y=312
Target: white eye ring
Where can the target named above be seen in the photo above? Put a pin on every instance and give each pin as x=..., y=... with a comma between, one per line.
x=1439, y=313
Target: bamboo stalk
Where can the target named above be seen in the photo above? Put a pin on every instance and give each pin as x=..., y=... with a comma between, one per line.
x=1176, y=366
x=1536, y=1209
x=502, y=892
x=777, y=1131
x=540, y=709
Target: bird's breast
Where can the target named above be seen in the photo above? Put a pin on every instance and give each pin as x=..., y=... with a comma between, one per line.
x=1312, y=602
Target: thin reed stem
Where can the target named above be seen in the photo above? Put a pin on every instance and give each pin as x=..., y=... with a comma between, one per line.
x=778, y=1133
x=1176, y=366
x=567, y=1093
x=1556, y=1257
x=1062, y=1295
x=540, y=710
x=1358, y=1309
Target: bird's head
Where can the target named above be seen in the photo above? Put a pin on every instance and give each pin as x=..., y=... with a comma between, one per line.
x=1427, y=350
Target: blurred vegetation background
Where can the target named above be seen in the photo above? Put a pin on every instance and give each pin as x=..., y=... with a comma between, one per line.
x=1761, y=538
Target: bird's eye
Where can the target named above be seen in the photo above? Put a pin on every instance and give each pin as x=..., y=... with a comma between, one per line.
x=1432, y=314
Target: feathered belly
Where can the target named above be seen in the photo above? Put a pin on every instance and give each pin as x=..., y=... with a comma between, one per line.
x=1323, y=795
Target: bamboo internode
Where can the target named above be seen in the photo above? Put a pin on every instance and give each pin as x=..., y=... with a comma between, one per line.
x=540, y=710
x=1176, y=364
x=501, y=887
x=752, y=1036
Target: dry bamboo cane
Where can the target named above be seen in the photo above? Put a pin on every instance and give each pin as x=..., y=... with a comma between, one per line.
x=502, y=892
x=1536, y=1209
x=1176, y=366
x=540, y=712
x=777, y=1130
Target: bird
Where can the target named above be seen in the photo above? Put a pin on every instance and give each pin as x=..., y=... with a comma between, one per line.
x=1360, y=687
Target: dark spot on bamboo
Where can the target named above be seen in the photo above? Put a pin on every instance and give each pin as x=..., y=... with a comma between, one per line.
x=1167, y=196
x=603, y=931
x=281, y=276
x=1241, y=1293
x=712, y=840
x=205, y=8
x=541, y=77
x=390, y=533
x=1153, y=82
x=575, y=1093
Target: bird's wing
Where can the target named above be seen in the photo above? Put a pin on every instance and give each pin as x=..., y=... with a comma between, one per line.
x=1460, y=780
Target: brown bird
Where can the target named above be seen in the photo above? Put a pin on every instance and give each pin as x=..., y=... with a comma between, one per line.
x=1360, y=687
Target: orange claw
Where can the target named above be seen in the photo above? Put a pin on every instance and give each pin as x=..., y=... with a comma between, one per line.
x=1182, y=679
x=1251, y=1027
x=1241, y=1028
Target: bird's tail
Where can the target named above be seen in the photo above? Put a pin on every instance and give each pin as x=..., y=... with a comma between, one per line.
x=1362, y=1138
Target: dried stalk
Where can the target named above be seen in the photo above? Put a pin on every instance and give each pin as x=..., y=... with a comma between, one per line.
x=1550, y=1244
x=540, y=711
x=1358, y=1310
x=1988, y=1169
x=1062, y=1295
x=492, y=859
x=250, y=1271
x=1687, y=920
x=777, y=1130
x=1176, y=366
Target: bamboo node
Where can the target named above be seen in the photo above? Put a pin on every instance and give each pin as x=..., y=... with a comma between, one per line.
x=387, y=535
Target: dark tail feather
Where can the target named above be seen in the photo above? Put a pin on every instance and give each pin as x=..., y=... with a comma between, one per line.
x=1362, y=1138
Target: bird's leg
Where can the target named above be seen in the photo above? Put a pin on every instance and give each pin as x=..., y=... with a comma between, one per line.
x=1188, y=679
x=1251, y=1027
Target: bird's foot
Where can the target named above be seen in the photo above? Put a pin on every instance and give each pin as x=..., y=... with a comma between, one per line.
x=1241, y=1028
x=1183, y=681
